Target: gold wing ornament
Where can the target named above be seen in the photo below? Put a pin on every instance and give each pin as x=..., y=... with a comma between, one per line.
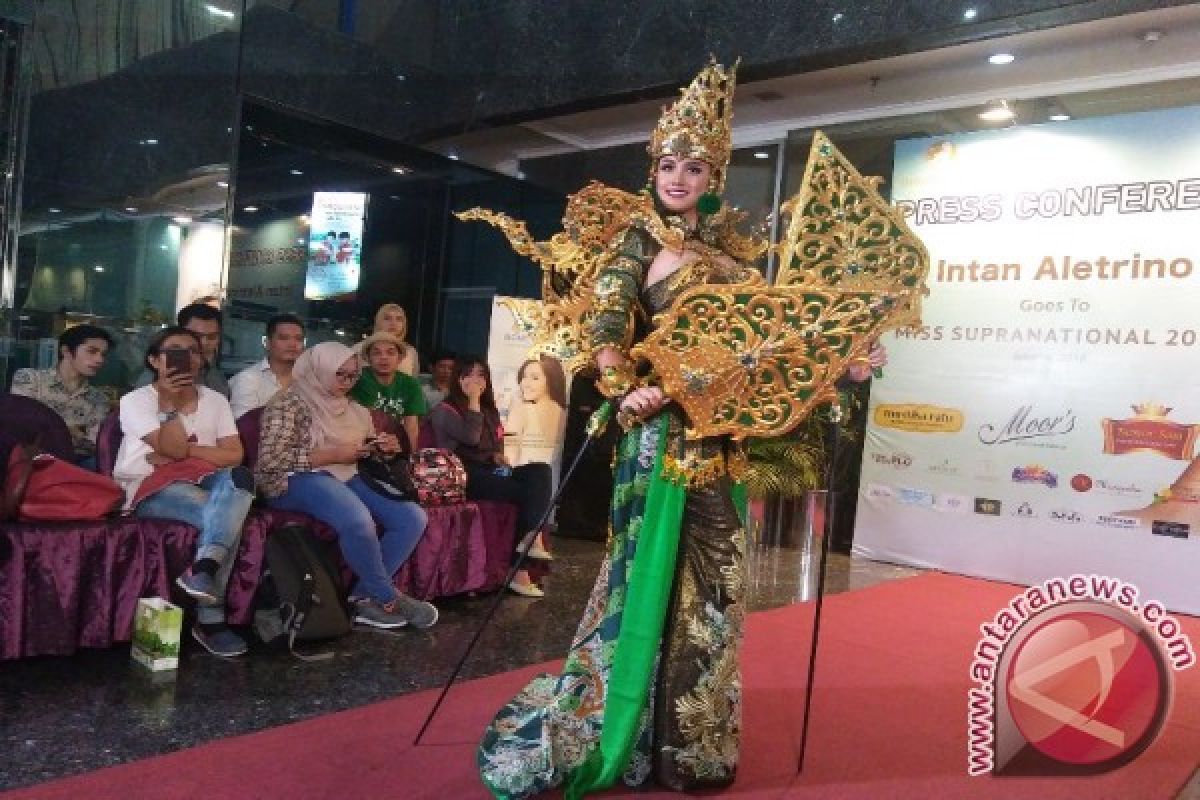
x=746, y=360
x=571, y=262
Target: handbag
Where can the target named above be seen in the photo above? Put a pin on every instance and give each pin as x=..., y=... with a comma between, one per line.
x=41, y=488
x=439, y=476
x=389, y=477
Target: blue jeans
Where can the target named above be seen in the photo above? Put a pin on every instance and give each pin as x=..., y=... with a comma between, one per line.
x=218, y=507
x=352, y=509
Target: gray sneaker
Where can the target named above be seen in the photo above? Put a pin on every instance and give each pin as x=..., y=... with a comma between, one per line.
x=379, y=615
x=221, y=641
x=418, y=613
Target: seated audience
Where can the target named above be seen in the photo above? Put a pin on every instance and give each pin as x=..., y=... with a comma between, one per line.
x=313, y=435
x=65, y=388
x=179, y=459
x=391, y=318
x=468, y=423
x=383, y=387
x=205, y=321
x=441, y=372
x=254, y=386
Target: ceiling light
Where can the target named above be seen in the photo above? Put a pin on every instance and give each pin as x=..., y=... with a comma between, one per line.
x=98, y=268
x=761, y=154
x=249, y=209
x=340, y=332
x=1059, y=117
x=401, y=77
x=997, y=112
x=999, y=59
x=54, y=210
x=970, y=14
x=223, y=184
x=217, y=11
x=838, y=17
x=131, y=209
x=399, y=170
x=296, y=171
x=452, y=156
x=182, y=219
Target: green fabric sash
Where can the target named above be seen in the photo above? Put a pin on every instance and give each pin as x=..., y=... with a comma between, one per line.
x=647, y=596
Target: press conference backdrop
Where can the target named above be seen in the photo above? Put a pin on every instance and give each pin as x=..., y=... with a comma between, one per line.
x=1054, y=390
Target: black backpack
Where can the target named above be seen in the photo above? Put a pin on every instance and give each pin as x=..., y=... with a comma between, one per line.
x=300, y=596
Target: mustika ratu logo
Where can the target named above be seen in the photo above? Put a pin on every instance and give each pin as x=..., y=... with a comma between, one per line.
x=1073, y=676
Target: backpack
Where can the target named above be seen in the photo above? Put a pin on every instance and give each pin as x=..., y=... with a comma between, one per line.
x=300, y=596
x=439, y=477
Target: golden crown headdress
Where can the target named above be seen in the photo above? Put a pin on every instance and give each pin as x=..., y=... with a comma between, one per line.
x=700, y=124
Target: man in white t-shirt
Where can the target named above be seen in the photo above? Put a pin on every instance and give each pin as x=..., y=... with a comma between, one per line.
x=254, y=386
x=180, y=459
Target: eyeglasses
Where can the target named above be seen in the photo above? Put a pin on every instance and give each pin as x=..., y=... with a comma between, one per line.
x=347, y=377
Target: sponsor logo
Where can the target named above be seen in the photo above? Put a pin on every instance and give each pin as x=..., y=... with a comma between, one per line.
x=1035, y=474
x=986, y=505
x=1081, y=482
x=916, y=418
x=952, y=503
x=880, y=492
x=1065, y=515
x=943, y=467
x=897, y=460
x=1149, y=431
x=1112, y=487
x=1027, y=427
x=914, y=497
x=1024, y=510
x=1176, y=530
x=1111, y=521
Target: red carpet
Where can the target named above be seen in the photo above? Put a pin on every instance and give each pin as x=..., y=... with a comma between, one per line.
x=889, y=721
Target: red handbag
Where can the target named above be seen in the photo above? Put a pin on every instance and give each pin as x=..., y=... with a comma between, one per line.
x=41, y=488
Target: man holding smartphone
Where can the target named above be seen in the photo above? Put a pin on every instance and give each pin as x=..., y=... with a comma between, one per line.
x=207, y=324
x=180, y=459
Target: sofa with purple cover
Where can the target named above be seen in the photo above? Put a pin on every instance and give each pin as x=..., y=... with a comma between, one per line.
x=69, y=585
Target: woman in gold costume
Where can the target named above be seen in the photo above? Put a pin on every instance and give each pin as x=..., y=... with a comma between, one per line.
x=651, y=688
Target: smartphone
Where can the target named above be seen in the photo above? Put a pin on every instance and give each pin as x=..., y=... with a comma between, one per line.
x=179, y=360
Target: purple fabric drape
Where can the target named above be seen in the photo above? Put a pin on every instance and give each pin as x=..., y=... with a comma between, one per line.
x=72, y=585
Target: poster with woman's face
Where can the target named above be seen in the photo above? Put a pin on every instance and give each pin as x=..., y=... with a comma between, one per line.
x=531, y=393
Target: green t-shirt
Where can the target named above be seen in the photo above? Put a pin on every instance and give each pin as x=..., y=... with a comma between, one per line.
x=401, y=398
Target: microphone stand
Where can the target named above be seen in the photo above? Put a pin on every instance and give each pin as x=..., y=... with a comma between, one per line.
x=595, y=428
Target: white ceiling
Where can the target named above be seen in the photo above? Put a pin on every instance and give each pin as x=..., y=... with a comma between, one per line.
x=1094, y=68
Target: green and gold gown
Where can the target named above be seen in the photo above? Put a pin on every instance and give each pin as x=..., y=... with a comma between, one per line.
x=650, y=687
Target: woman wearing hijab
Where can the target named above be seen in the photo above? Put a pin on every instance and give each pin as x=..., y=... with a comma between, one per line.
x=313, y=435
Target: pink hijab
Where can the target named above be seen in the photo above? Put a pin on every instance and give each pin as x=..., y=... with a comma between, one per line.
x=313, y=380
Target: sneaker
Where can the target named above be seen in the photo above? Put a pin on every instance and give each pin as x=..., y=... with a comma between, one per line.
x=418, y=613
x=221, y=641
x=199, y=586
x=378, y=615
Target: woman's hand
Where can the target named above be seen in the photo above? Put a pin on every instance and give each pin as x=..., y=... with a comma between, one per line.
x=644, y=402
x=876, y=359
x=473, y=386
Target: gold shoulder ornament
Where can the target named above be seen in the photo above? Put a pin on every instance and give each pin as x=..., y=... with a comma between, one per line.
x=752, y=360
x=571, y=261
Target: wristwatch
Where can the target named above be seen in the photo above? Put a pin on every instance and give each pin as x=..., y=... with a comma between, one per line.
x=166, y=416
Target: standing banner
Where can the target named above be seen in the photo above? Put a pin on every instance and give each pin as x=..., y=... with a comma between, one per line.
x=531, y=393
x=1044, y=420
x=335, y=244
